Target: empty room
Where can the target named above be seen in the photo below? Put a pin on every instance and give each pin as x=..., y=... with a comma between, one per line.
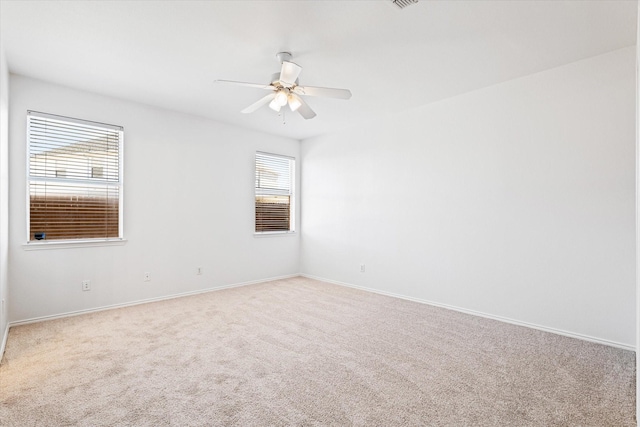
x=314, y=213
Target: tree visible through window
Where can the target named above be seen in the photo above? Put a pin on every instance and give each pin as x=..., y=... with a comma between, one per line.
x=274, y=193
x=74, y=178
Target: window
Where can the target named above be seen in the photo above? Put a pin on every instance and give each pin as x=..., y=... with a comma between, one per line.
x=97, y=172
x=74, y=178
x=274, y=193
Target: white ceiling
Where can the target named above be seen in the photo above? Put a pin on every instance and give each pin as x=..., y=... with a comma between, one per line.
x=168, y=53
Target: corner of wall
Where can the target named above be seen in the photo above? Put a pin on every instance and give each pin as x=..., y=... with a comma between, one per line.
x=637, y=210
x=4, y=200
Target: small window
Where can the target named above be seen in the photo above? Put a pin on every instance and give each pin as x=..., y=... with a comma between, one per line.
x=274, y=193
x=74, y=178
x=97, y=172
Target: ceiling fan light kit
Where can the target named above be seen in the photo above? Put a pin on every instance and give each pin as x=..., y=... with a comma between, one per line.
x=285, y=90
x=294, y=102
x=274, y=105
x=282, y=96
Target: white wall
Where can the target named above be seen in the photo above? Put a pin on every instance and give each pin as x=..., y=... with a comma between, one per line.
x=188, y=202
x=515, y=201
x=4, y=197
x=637, y=207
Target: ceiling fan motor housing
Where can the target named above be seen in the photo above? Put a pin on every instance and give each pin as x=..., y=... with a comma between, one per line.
x=283, y=56
x=275, y=81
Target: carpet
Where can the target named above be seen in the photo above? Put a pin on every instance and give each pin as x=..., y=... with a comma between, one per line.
x=300, y=352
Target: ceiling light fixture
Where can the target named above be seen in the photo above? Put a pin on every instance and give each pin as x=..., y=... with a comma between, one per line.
x=294, y=102
x=275, y=105
x=281, y=97
x=285, y=89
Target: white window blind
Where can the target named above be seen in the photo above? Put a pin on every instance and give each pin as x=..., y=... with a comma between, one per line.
x=74, y=178
x=274, y=193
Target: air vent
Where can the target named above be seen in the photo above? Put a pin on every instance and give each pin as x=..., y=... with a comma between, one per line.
x=403, y=3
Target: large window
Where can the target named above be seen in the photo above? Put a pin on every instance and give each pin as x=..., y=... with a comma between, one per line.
x=274, y=193
x=74, y=177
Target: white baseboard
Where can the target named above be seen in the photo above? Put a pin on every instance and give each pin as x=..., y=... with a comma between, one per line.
x=138, y=302
x=481, y=314
x=3, y=344
x=335, y=282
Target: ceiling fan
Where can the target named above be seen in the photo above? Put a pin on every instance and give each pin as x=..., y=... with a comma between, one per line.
x=285, y=90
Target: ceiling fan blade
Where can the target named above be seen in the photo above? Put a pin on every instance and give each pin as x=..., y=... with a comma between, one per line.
x=263, y=101
x=256, y=85
x=323, y=91
x=289, y=73
x=305, y=111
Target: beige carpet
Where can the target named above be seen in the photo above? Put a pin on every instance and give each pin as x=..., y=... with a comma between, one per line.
x=301, y=352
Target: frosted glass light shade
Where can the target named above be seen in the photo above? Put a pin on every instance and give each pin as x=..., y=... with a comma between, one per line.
x=294, y=102
x=275, y=105
x=281, y=98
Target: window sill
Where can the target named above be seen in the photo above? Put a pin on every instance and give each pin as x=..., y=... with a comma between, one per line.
x=68, y=244
x=274, y=234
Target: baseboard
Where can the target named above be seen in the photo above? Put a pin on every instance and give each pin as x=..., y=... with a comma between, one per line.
x=138, y=302
x=335, y=282
x=481, y=314
x=3, y=345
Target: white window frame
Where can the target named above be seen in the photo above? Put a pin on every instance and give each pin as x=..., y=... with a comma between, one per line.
x=88, y=242
x=291, y=194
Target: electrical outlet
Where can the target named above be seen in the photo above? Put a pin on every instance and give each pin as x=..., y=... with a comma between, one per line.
x=199, y=271
x=147, y=276
x=361, y=268
x=86, y=285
